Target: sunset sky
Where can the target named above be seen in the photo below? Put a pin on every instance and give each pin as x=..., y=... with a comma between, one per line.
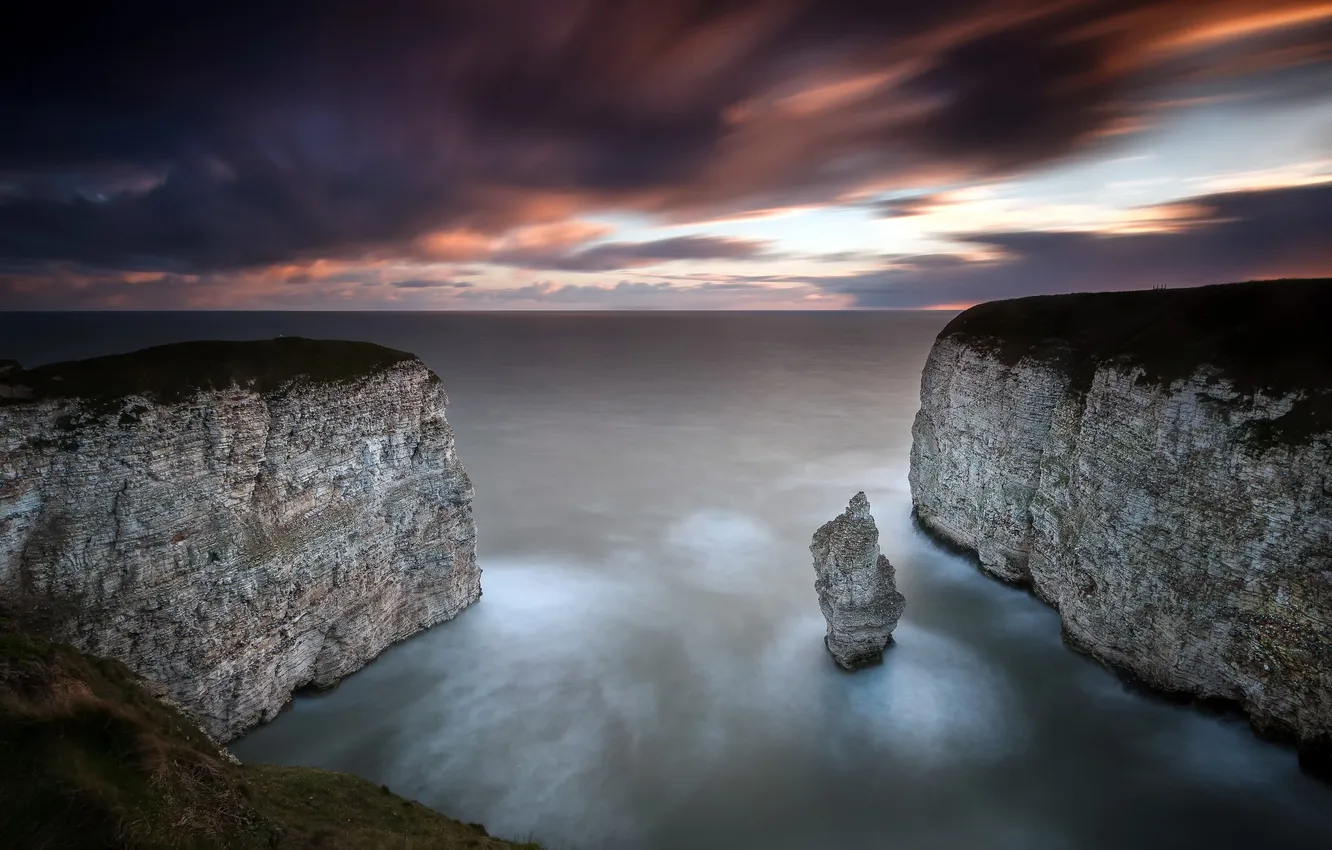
x=602, y=154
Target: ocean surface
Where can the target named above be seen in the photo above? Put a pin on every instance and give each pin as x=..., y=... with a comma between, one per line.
x=646, y=671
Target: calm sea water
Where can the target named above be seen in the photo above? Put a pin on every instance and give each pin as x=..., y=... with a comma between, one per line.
x=646, y=667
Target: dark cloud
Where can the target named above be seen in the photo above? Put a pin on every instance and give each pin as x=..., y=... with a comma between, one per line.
x=612, y=256
x=1021, y=94
x=266, y=211
x=66, y=288
x=195, y=137
x=1236, y=236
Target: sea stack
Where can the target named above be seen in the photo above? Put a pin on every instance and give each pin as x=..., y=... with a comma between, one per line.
x=856, y=586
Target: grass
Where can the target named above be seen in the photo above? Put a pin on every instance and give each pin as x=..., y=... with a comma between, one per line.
x=90, y=759
x=1268, y=336
x=319, y=808
x=169, y=373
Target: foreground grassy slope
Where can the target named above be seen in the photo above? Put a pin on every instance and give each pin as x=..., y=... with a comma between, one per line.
x=90, y=759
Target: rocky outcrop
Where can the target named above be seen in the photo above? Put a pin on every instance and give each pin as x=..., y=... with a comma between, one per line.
x=1157, y=466
x=856, y=586
x=235, y=520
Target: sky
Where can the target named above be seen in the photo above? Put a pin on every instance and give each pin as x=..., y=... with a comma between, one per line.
x=657, y=154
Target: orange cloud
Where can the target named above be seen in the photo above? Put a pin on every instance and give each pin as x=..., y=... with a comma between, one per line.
x=471, y=245
x=140, y=277
x=554, y=236
x=459, y=245
x=1243, y=22
x=958, y=307
x=1161, y=218
x=845, y=91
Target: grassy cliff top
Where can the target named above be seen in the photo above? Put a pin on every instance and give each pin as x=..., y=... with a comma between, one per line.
x=90, y=759
x=1271, y=335
x=173, y=372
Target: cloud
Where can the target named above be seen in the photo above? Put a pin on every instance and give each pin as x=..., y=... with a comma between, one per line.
x=564, y=246
x=197, y=138
x=1215, y=238
x=906, y=207
x=654, y=295
x=613, y=256
x=356, y=289
x=1232, y=236
x=429, y=284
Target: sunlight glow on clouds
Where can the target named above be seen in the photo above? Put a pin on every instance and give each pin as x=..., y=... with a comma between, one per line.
x=597, y=154
x=1246, y=25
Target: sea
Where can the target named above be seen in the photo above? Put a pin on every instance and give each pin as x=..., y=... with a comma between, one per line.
x=646, y=669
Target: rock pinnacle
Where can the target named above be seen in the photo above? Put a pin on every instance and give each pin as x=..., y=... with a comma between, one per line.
x=856, y=586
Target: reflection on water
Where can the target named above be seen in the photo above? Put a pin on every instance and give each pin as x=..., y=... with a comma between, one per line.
x=646, y=667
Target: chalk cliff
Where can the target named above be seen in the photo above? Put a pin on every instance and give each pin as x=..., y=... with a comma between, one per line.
x=857, y=587
x=1157, y=466
x=235, y=520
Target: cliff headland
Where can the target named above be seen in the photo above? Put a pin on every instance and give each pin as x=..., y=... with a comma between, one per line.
x=1158, y=467
x=234, y=520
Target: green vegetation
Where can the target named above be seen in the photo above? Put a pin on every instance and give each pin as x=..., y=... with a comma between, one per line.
x=169, y=373
x=1270, y=336
x=90, y=759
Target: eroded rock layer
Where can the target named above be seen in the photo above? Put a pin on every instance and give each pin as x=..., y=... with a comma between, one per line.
x=1158, y=466
x=235, y=520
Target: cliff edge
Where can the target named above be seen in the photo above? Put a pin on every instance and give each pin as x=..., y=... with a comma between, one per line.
x=1158, y=466
x=234, y=520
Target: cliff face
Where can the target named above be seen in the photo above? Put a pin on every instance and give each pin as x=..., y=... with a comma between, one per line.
x=1158, y=466
x=235, y=520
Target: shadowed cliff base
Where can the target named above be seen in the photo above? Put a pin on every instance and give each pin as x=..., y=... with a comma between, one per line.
x=90, y=758
x=1314, y=756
